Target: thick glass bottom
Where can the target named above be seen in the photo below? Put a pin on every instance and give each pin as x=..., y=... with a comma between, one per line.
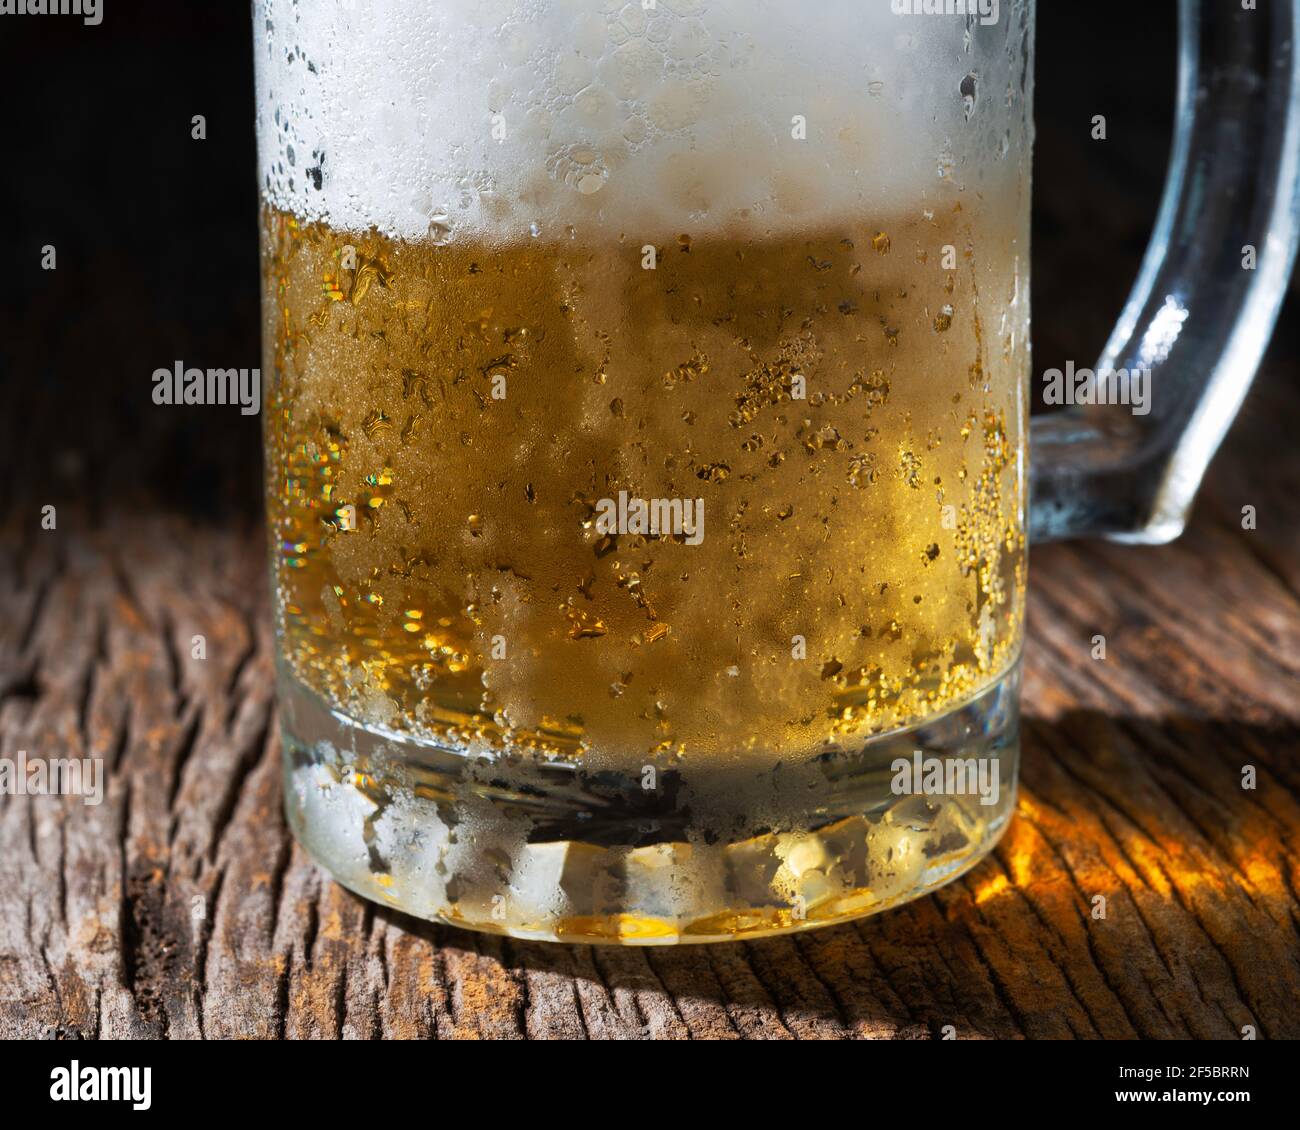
x=740, y=848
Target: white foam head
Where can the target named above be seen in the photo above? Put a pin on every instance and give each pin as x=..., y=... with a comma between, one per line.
x=497, y=119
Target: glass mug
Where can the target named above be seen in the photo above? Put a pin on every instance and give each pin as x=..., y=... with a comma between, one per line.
x=646, y=442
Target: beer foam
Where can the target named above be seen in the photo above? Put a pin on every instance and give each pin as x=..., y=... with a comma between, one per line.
x=500, y=119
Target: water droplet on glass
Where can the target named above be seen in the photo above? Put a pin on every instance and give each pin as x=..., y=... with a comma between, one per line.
x=439, y=229
x=967, y=89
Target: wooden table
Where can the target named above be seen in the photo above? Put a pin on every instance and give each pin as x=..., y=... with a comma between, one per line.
x=181, y=907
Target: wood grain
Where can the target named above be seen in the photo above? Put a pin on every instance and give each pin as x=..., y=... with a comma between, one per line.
x=181, y=907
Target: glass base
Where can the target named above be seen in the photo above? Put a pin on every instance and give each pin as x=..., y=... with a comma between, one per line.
x=697, y=853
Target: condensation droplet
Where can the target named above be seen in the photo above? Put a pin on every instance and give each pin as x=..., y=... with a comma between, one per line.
x=968, y=94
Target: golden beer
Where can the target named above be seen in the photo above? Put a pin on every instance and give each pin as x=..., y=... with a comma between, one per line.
x=444, y=420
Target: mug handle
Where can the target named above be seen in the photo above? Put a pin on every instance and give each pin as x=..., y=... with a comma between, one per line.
x=1204, y=304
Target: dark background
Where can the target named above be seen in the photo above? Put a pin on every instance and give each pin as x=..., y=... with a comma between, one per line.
x=156, y=233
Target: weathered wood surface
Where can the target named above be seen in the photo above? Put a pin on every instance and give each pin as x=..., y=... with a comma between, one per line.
x=181, y=907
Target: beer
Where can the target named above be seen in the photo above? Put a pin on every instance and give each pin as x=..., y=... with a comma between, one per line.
x=619, y=567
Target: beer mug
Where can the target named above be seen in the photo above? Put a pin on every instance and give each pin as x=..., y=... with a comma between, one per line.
x=647, y=433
